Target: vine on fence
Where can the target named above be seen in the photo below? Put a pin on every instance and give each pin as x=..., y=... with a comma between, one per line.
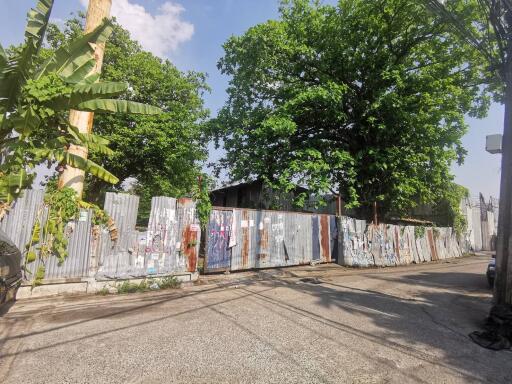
x=203, y=203
x=51, y=229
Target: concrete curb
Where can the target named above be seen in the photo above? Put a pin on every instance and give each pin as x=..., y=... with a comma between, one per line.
x=87, y=286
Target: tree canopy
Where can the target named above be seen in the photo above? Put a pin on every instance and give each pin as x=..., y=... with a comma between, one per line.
x=162, y=153
x=365, y=99
x=36, y=93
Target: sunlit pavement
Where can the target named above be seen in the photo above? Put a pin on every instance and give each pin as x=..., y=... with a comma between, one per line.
x=392, y=325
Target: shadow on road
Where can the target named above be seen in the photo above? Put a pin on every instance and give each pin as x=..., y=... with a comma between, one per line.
x=445, y=307
x=437, y=314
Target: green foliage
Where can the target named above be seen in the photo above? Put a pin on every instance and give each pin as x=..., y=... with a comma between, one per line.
x=129, y=287
x=447, y=212
x=164, y=152
x=168, y=282
x=203, y=202
x=488, y=34
x=366, y=98
x=49, y=235
x=419, y=232
x=39, y=276
x=37, y=90
x=103, y=291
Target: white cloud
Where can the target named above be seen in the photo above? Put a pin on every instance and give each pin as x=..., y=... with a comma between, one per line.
x=160, y=34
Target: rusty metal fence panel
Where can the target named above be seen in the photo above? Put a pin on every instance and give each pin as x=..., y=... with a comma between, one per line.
x=170, y=244
x=189, y=234
x=240, y=239
x=391, y=245
x=218, y=241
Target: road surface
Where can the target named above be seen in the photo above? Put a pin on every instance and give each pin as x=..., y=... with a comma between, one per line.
x=323, y=324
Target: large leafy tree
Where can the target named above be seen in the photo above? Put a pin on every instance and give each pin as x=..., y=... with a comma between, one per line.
x=163, y=153
x=365, y=99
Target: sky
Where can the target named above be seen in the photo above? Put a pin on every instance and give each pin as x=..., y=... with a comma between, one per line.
x=191, y=32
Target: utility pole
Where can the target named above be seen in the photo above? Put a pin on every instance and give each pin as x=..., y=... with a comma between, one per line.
x=496, y=47
x=503, y=284
x=73, y=177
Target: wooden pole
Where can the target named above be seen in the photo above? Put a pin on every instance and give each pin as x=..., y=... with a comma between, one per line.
x=73, y=177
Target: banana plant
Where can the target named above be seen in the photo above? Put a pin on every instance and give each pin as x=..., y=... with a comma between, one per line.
x=36, y=95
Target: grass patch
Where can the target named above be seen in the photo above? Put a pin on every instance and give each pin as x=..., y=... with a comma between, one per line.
x=169, y=282
x=103, y=291
x=129, y=287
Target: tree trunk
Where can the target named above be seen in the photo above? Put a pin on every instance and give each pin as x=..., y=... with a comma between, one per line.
x=73, y=177
x=503, y=285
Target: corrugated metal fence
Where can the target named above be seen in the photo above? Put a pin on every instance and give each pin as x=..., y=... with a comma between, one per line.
x=365, y=244
x=18, y=225
x=170, y=245
x=239, y=239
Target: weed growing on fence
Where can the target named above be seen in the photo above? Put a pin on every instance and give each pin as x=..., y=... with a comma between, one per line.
x=419, y=231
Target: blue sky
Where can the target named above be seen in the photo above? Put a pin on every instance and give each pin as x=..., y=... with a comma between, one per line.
x=191, y=33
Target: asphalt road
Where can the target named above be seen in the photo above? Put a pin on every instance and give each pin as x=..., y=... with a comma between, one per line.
x=393, y=325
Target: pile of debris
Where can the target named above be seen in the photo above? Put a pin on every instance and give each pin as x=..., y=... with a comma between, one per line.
x=498, y=329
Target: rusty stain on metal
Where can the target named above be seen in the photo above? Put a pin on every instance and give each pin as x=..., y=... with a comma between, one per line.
x=432, y=245
x=324, y=237
x=263, y=241
x=245, y=239
x=190, y=250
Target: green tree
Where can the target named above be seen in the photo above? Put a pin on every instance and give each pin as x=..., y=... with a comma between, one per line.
x=366, y=99
x=36, y=93
x=37, y=90
x=163, y=153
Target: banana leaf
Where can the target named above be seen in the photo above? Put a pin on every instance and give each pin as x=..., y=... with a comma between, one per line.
x=17, y=70
x=67, y=59
x=86, y=92
x=118, y=106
